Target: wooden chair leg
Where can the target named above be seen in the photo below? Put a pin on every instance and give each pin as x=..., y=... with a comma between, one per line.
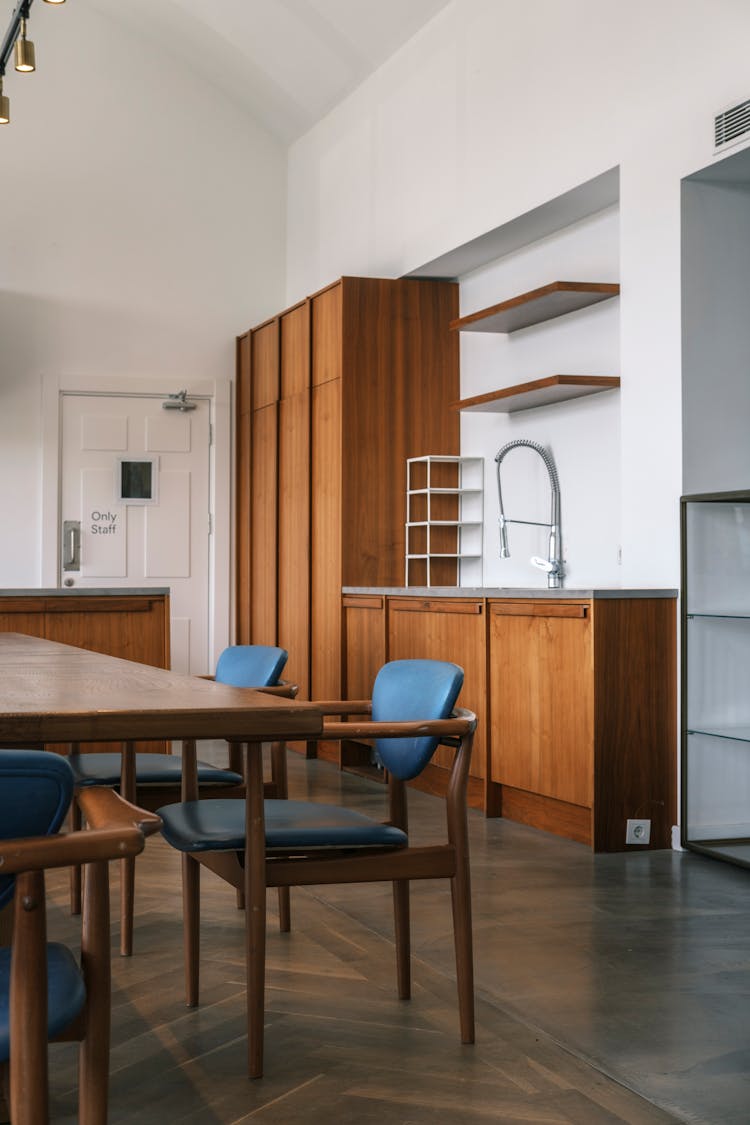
x=5, y=1092
x=461, y=905
x=76, y=824
x=29, y=1097
x=127, y=905
x=191, y=870
x=255, y=914
x=93, y=1055
x=403, y=937
x=279, y=777
x=237, y=763
x=127, y=866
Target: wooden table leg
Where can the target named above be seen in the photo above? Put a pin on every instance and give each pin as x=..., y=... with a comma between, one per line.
x=127, y=866
x=255, y=910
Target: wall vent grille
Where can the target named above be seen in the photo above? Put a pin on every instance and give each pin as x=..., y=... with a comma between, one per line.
x=732, y=125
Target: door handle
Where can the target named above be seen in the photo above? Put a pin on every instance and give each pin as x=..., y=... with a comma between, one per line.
x=71, y=545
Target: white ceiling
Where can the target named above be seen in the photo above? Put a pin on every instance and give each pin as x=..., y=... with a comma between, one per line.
x=286, y=61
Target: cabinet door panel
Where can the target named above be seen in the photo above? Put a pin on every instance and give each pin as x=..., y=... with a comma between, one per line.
x=294, y=538
x=444, y=629
x=542, y=716
x=365, y=643
x=325, y=545
x=295, y=350
x=243, y=438
x=326, y=336
x=263, y=531
x=264, y=360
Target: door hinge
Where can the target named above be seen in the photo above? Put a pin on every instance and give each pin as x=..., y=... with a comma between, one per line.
x=210, y=524
x=210, y=433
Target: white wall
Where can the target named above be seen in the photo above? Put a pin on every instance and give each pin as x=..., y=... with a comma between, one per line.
x=495, y=108
x=142, y=228
x=583, y=436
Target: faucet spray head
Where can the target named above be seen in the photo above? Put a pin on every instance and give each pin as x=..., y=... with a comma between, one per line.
x=504, y=547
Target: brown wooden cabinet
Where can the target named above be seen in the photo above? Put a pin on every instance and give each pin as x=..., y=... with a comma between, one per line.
x=446, y=629
x=583, y=716
x=575, y=700
x=359, y=376
x=133, y=626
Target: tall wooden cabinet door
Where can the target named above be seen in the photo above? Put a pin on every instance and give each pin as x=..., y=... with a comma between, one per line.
x=446, y=629
x=327, y=340
x=542, y=699
x=325, y=542
x=242, y=489
x=264, y=361
x=263, y=526
x=293, y=613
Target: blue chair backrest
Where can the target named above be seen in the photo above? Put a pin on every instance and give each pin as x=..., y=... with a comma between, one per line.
x=35, y=793
x=413, y=689
x=250, y=665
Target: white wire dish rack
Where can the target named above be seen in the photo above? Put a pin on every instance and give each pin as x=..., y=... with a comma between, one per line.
x=444, y=521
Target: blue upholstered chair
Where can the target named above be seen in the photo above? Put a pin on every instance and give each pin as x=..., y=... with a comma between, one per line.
x=152, y=780
x=411, y=713
x=45, y=993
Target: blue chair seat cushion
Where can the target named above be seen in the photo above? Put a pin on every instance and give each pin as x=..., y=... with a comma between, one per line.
x=219, y=825
x=66, y=993
x=150, y=769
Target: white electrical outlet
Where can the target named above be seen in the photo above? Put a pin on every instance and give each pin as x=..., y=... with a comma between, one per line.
x=638, y=832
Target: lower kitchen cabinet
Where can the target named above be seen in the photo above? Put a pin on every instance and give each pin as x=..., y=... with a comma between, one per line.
x=130, y=625
x=446, y=629
x=583, y=724
x=575, y=701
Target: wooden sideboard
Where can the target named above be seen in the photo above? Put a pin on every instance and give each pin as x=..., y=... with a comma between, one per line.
x=575, y=696
x=132, y=624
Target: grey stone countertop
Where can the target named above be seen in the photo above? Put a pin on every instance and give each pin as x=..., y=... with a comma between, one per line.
x=84, y=592
x=509, y=592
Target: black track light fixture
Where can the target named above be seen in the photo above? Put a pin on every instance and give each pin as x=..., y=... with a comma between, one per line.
x=17, y=41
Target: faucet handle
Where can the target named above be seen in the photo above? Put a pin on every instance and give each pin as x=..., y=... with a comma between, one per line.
x=545, y=565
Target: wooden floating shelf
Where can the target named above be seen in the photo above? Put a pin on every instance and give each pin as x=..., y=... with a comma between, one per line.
x=540, y=392
x=555, y=299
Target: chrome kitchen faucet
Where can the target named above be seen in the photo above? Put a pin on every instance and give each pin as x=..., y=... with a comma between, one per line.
x=553, y=563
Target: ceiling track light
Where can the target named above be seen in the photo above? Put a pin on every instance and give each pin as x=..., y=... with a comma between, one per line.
x=25, y=53
x=4, y=105
x=15, y=39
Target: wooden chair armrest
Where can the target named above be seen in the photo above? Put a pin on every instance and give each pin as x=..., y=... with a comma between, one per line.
x=105, y=808
x=461, y=723
x=118, y=829
x=344, y=706
x=282, y=688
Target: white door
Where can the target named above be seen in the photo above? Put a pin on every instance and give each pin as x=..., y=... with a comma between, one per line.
x=135, y=506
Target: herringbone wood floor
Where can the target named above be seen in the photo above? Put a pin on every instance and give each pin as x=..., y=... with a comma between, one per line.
x=340, y=1047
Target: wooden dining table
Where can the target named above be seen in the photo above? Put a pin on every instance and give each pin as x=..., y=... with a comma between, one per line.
x=53, y=693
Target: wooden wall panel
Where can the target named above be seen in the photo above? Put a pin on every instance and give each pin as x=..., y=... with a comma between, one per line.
x=263, y=528
x=542, y=699
x=326, y=530
x=443, y=629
